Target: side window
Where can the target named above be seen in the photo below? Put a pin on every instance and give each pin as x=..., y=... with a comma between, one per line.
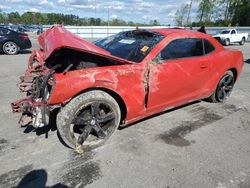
x=180, y=48
x=208, y=47
x=233, y=32
x=4, y=31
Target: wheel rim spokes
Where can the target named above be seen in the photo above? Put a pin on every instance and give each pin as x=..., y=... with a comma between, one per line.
x=226, y=87
x=108, y=117
x=93, y=120
x=99, y=131
x=221, y=94
x=228, y=81
x=95, y=109
x=85, y=133
x=10, y=48
x=80, y=121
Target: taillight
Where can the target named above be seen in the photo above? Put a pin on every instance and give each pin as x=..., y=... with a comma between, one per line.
x=24, y=37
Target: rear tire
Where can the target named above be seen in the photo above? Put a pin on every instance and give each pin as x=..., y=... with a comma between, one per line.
x=81, y=106
x=223, y=89
x=243, y=40
x=227, y=42
x=10, y=48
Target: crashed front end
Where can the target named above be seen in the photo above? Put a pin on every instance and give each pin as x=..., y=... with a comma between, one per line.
x=61, y=52
x=36, y=83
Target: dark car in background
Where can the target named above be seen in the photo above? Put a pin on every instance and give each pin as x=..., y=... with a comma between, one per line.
x=11, y=41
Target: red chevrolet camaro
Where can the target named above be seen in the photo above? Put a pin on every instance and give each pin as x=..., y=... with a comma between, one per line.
x=96, y=87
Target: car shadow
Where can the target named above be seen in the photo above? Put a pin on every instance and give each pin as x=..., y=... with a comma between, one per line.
x=158, y=114
x=247, y=61
x=20, y=52
x=45, y=129
x=24, y=52
x=37, y=178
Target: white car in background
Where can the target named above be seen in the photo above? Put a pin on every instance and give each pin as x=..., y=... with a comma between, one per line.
x=228, y=36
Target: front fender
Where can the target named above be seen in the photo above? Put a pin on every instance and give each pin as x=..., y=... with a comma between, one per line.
x=127, y=81
x=69, y=85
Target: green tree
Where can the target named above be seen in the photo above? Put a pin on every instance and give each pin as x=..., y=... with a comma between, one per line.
x=206, y=8
x=91, y=21
x=155, y=23
x=27, y=18
x=1, y=17
x=117, y=22
x=98, y=21
x=66, y=19
x=189, y=10
x=181, y=14
x=241, y=16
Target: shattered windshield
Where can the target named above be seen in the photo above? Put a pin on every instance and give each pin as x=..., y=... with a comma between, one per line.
x=130, y=45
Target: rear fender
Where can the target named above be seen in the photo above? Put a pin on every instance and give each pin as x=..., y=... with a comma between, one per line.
x=231, y=61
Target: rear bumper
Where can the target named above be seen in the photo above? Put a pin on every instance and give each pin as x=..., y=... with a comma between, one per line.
x=26, y=44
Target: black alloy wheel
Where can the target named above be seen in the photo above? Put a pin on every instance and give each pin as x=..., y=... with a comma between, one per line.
x=88, y=120
x=92, y=123
x=225, y=87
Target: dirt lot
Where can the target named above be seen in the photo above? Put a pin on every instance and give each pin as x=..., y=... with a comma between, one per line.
x=198, y=145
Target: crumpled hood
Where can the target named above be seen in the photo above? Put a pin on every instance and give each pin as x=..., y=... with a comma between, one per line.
x=57, y=37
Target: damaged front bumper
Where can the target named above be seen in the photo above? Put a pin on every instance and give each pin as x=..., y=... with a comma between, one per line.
x=32, y=112
x=34, y=108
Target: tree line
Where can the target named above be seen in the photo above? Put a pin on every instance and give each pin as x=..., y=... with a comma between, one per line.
x=210, y=13
x=66, y=19
x=215, y=13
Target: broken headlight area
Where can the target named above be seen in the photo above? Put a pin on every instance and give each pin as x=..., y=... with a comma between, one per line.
x=30, y=76
x=34, y=107
x=38, y=82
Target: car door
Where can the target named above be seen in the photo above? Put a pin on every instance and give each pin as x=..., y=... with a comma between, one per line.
x=178, y=74
x=233, y=36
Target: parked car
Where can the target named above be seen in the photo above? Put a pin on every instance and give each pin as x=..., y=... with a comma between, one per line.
x=121, y=79
x=226, y=37
x=11, y=41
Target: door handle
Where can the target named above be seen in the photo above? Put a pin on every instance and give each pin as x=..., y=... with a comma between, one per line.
x=203, y=66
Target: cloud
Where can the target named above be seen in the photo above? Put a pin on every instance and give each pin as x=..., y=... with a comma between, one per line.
x=4, y=7
x=113, y=16
x=129, y=10
x=33, y=10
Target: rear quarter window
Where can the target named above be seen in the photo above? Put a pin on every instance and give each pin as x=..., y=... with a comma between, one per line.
x=208, y=47
x=4, y=31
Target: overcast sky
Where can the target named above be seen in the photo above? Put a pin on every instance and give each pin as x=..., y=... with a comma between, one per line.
x=129, y=10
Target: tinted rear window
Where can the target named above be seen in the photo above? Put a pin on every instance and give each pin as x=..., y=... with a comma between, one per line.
x=208, y=47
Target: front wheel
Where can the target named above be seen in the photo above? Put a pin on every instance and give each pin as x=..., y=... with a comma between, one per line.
x=224, y=88
x=88, y=120
x=10, y=48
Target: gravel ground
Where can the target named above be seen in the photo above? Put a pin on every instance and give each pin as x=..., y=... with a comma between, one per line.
x=198, y=145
